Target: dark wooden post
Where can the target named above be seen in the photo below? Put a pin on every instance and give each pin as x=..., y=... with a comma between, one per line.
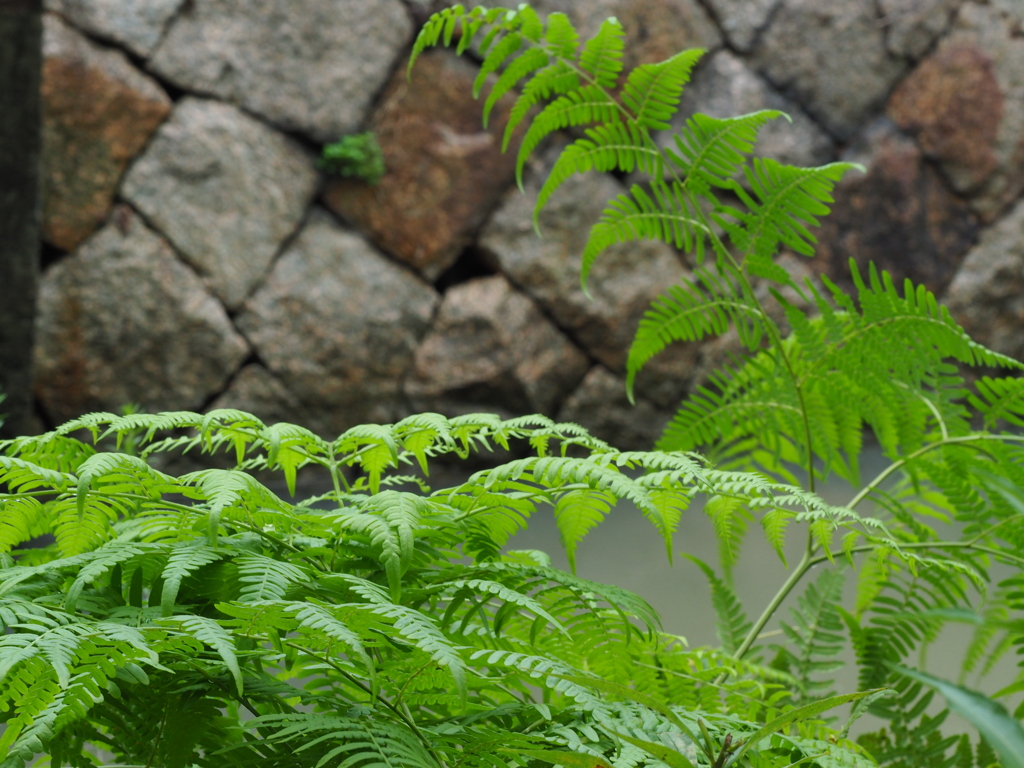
x=21, y=57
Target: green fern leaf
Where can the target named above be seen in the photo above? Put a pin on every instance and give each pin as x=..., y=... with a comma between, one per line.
x=613, y=146
x=576, y=513
x=710, y=151
x=666, y=214
x=602, y=54
x=702, y=306
x=185, y=559
x=209, y=632
x=588, y=104
x=556, y=79
x=653, y=91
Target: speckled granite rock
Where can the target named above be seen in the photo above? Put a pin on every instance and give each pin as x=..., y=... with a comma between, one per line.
x=98, y=113
x=307, y=65
x=491, y=348
x=832, y=57
x=912, y=25
x=138, y=25
x=255, y=390
x=742, y=20
x=600, y=404
x=122, y=320
x=445, y=172
x=225, y=189
x=987, y=294
x=965, y=105
x=899, y=215
x=337, y=324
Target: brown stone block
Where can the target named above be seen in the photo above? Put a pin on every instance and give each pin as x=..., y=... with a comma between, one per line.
x=445, y=172
x=98, y=113
x=965, y=105
x=899, y=215
x=953, y=105
x=491, y=348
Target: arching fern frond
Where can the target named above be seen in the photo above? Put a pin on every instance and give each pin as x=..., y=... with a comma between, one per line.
x=706, y=304
x=667, y=213
x=652, y=91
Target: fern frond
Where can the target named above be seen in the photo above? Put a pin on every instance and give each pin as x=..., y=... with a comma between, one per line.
x=667, y=214
x=556, y=79
x=576, y=513
x=710, y=150
x=389, y=519
x=701, y=306
x=816, y=634
x=789, y=200
x=211, y=633
x=999, y=400
x=602, y=55
x=265, y=578
x=615, y=146
x=581, y=106
x=653, y=91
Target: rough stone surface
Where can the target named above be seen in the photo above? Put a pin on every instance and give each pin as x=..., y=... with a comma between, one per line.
x=965, y=103
x=491, y=348
x=225, y=189
x=912, y=25
x=338, y=324
x=832, y=57
x=138, y=25
x=987, y=294
x=98, y=113
x=724, y=86
x=255, y=390
x=306, y=65
x=742, y=20
x=445, y=173
x=624, y=281
x=900, y=215
x=655, y=29
x=600, y=404
x=123, y=320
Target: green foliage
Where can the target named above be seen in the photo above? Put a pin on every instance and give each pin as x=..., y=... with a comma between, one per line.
x=205, y=620
x=357, y=155
x=816, y=368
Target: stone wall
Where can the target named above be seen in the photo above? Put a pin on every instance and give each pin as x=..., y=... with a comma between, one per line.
x=196, y=258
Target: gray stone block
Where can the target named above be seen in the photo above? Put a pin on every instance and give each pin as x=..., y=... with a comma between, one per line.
x=225, y=189
x=307, y=65
x=832, y=57
x=491, y=348
x=338, y=324
x=138, y=25
x=122, y=321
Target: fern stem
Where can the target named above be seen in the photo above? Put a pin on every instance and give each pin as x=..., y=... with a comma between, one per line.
x=405, y=716
x=720, y=248
x=970, y=544
x=885, y=473
x=335, y=476
x=805, y=564
x=809, y=560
